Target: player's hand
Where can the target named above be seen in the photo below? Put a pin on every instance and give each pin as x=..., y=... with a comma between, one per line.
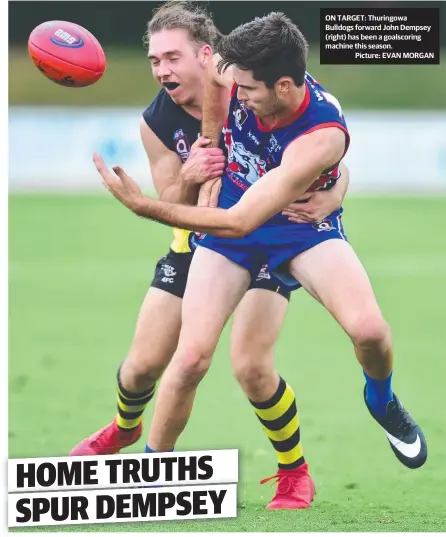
x=209, y=192
x=119, y=184
x=313, y=206
x=204, y=163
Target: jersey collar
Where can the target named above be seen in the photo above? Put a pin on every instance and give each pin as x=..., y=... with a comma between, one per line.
x=288, y=120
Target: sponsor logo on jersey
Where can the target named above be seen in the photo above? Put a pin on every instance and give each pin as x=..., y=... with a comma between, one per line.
x=64, y=39
x=273, y=145
x=263, y=274
x=182, y=145
x=324, y=225
x=253, y=138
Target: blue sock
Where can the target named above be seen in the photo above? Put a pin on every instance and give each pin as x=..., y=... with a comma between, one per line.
x=148, y=449
x=378, y=393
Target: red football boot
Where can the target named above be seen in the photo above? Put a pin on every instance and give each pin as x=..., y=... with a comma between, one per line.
x=295, y=489
x=107, y=441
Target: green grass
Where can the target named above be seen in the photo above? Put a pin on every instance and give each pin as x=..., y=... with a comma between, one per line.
x=356, y=86
x=79, y=267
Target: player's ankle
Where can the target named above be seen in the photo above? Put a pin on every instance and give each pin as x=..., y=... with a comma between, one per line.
x=148, y=449
x=378, y=393
x=301, y=467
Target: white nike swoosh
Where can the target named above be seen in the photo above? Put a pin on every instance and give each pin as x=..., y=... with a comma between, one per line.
x=408, y=450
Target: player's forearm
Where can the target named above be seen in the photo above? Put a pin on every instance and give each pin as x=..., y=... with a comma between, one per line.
x=219, y=222
x=215, y=109
x=342, y=183
x=259, y=203
x=181, y=192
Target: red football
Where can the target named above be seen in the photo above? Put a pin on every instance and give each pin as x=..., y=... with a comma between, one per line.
x=67, y=54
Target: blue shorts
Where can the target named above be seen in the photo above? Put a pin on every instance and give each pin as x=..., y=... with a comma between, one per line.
x=276, y=245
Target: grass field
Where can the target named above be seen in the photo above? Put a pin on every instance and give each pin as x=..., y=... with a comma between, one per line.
x=79, y=267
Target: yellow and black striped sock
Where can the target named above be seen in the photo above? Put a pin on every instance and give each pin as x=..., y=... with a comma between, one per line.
x=280, y=422
x=131, y=406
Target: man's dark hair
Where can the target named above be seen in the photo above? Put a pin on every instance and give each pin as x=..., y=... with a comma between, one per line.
x=270, y=47
x=182, y=14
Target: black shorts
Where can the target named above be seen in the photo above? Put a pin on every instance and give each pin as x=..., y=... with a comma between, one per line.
x=172, y=270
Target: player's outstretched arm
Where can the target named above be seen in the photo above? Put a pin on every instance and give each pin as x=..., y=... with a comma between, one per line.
x=128, y=192
x=314, y=153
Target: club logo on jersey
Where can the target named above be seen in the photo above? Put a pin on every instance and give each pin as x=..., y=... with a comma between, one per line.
x=182, y=145
x=245, y=164
x=324, y=225
x=169, y=273
x=168, y=270
x=240, y=114
x=64, y=39
x=263, y=274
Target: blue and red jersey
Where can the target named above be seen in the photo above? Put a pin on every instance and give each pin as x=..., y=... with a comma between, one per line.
x=254, y=149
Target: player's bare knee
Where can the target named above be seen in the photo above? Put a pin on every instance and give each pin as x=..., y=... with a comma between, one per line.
x=369, y=331
x=252, y=376
x=137, y=369
x=193, y=363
